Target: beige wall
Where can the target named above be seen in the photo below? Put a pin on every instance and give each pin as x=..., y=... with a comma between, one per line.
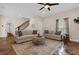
x=50, y=22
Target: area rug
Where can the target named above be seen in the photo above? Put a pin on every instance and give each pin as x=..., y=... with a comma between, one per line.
x=50, y=47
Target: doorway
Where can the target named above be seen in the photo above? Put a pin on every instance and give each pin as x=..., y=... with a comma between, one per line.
x=66, y=27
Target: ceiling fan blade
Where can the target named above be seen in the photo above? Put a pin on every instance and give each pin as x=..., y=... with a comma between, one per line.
x=41, y=3
x=53, y=4
x=41, y=8
x=49, y=9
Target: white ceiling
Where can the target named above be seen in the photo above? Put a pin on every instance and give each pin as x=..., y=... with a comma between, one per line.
x=32, y=9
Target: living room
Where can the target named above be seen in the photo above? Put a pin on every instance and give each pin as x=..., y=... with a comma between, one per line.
x=24, y=24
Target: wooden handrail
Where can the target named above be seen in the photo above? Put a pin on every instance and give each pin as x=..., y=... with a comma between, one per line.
x=22, y=25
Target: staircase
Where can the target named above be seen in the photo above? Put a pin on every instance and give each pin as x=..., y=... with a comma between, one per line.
x=23, y=25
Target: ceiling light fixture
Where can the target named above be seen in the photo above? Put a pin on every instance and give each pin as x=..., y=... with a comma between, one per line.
x=47, y=5
x=76, y=20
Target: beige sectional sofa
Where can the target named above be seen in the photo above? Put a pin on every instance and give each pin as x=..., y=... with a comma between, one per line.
x=26, y=36
x=52, y=35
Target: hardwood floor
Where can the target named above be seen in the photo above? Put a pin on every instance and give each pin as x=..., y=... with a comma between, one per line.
x=72, y=48
x=4, y=49
x=6, y=46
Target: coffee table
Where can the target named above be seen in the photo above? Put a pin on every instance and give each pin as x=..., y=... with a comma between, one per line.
x=38, y=40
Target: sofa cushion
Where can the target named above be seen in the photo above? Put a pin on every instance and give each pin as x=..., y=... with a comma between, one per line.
x=34, y=32
x=46, y=32
x=53, y=36
x=27, y=32
x=19, y=33
x=25, y=37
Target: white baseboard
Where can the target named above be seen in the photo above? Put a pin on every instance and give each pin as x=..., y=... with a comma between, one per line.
x=75, y=40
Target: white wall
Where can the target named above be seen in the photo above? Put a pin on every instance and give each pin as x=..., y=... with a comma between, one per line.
x=50, y=22
x=15, y=22
x=35, y=24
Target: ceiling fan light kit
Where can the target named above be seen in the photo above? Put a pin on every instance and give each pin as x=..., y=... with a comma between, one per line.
x=76, y=20
x=47, y=5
